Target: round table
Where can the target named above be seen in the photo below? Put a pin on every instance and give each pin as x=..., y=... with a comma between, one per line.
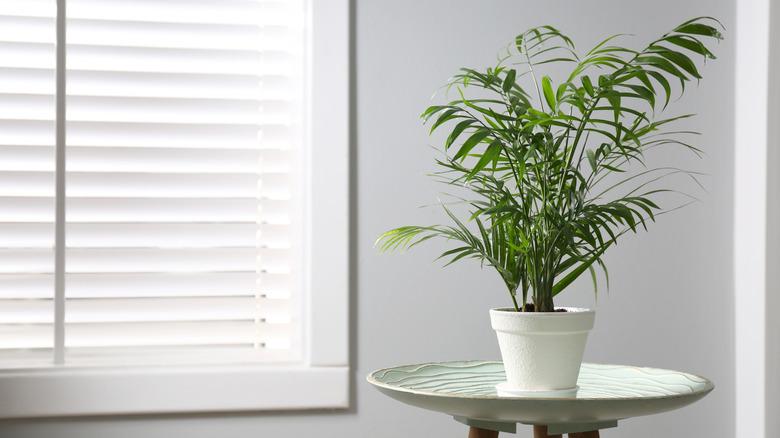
x=606, y=394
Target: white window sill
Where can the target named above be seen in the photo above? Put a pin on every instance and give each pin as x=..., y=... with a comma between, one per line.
x=81, y=391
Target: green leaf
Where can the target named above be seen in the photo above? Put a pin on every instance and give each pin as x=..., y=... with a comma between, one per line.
x=691, y=44
x=612, y=168
x=588, y=85
x=471, y=142
x=431, y=110
x=444, y=117
x=603, y=42
x=678, y=58
x=489, y=156
x=594, y=280
x=591, y=159
x=549, y=96
x=699, y=29
x=509, y=80
x=615, y=101
x=644, y=93
x=569, y=278
x=664, y=84
x=456, y=131
x=662, y=64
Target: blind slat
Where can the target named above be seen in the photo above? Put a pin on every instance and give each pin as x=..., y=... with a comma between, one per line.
x=152, y=60
x=121, y=260
x=147, y=309
x=148, y=34
x=142, y=334
x=148, y=185
x=146, y=110
x=151, y=235
x=146, y=160
x=145, y=84
x=275, y=286
x=215, y=136
x=144, y=210
x=255, y=12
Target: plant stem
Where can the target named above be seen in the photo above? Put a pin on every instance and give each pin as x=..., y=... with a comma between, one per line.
x=514, y=301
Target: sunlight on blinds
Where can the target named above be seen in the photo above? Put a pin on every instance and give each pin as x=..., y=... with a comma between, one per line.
x=183, y=198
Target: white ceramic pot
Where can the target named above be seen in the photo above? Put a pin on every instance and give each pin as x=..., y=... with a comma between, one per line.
x=542, y=351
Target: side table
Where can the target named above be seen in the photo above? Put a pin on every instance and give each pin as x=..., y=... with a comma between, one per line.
x=606, y=394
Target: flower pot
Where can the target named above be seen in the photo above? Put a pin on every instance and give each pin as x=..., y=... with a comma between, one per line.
x=542, y=351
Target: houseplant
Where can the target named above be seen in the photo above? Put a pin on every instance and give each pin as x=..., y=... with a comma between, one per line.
x=549, y=171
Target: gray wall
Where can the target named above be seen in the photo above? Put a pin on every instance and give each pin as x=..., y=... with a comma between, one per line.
x=670, y=303
x=773, y=232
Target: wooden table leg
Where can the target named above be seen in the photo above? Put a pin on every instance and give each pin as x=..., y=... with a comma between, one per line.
x=591, y=434
x=541, y=432
x=475, y=432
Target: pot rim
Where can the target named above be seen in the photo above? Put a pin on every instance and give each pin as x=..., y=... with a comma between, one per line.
x=570, y=311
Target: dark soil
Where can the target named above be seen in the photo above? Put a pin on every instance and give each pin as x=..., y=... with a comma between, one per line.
x=529, y=307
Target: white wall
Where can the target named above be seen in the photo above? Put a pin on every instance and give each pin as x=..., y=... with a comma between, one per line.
x=670, y=303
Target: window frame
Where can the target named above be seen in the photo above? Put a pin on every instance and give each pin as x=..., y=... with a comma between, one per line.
x=321, y=380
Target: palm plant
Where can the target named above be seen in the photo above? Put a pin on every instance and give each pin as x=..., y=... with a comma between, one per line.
x=546, y=164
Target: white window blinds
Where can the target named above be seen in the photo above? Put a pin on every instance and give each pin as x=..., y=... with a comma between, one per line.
x=184, y=133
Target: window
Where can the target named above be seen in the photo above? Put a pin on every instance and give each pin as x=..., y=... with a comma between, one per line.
x=201, y=138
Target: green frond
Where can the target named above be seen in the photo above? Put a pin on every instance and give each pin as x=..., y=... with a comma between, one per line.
x=555, y=171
